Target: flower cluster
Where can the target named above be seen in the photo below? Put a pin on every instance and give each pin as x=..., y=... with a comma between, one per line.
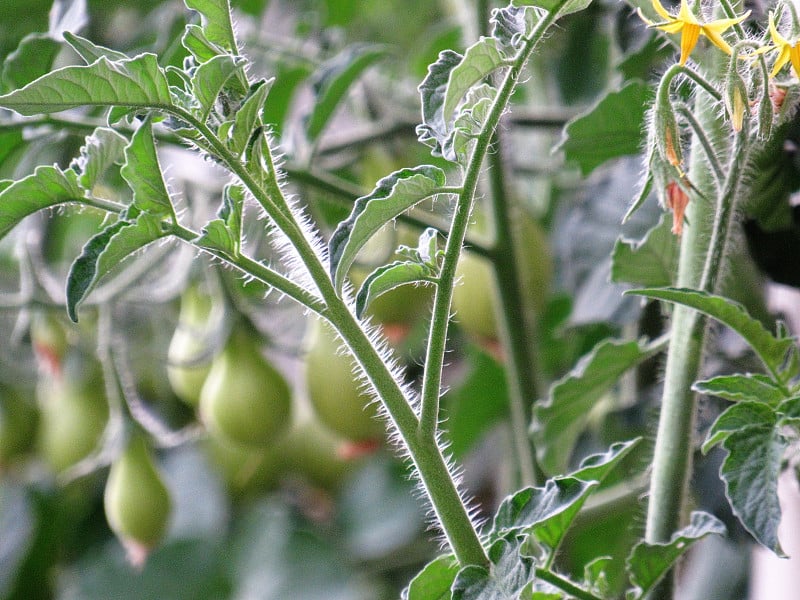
x=738, y=96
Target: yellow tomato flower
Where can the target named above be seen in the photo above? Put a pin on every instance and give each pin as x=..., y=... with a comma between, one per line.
x=787, y=51
x=690, y=28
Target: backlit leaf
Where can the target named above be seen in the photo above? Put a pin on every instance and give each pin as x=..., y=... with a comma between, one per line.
x=142, y=171
x=216, y=20
x=392, y=196
x=388, y=277
x=479, y=60
x=47, y=186
x=105, y=251
x=434, y=581
x=135, y=82
x=737, y=388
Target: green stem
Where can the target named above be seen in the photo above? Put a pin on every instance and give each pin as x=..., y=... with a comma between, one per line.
x=516, y=326
x=565, y=585
x=702, y=256
x=431, y=465
x=434, y=359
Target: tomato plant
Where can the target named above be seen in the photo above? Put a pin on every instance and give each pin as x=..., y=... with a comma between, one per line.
x=596, y=193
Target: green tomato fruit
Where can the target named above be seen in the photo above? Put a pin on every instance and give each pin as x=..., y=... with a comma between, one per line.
x=475, y=297
x=186, y=368
x=312, y=450
x=245, y=470
x=18, y=417
x=244, y=398
x=73, y=415
x=335, y=392
x=136, y=501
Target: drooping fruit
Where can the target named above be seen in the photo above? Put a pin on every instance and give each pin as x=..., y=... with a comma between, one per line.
x=73, y=413
x=188, y=356
x=337, y=395
x=136, y=501
x=244, y=398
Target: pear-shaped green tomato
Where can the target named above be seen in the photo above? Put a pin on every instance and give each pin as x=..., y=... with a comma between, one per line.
x=186, y=367
x=336, y=394
x=244, y=398
x=136, y=501
x=73, y=416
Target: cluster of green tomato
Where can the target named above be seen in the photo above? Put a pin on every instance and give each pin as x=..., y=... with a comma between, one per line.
x=258, y=433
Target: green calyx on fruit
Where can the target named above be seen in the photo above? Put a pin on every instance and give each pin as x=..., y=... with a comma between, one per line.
x=244, y=399
x=189, y=356
x=335, y=392
x=73, y=414
x=136, y=501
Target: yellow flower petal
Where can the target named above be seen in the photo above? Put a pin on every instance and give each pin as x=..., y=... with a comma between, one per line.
x=777, y=38
x=716, y=39
x=783, y=58
x=686, y=15
x=662, y=12
x=689, y=36
x=674, y=27
x=794, y=56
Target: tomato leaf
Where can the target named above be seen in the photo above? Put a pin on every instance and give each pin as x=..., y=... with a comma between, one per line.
x=560, y=419
x=650, y=262
x=225, y=233
x=135, y=82
x=545, y=512
x=392, y=196
x=333, y=80
x=737, y=388
x=648, y=563
x=434, y=128
x=612, y=128
x=479, y=60
x=773, y=351
x=248, y=117
x=434, y=581
x=597, y=466
x=750, y=472
x=33, y=58
x=388, y=277
x=45, y=187
x=738, y=417
x=210, y=78
x=101, y=150
x=142, y=172
x=195, y=41
x=216, y=22
x=89, y=51
x=511, y=24
x=509, y=574
x=105, y=251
